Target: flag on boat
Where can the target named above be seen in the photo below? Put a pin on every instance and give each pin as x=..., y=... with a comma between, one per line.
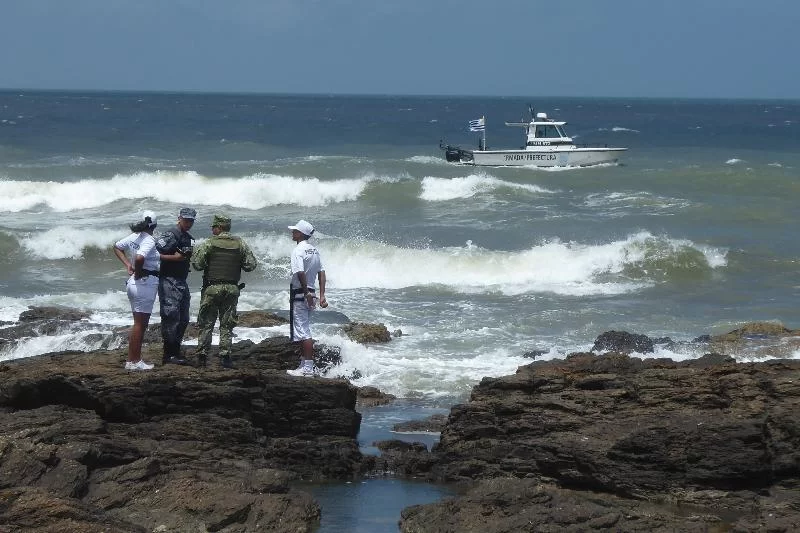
x=479, y=124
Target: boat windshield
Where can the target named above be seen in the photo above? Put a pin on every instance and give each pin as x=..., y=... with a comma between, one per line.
x=550, y=131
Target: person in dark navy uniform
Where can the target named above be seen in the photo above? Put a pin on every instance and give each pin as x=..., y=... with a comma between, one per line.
x=175, y=246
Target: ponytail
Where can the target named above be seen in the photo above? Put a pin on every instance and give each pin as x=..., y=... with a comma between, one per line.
x=143, y=225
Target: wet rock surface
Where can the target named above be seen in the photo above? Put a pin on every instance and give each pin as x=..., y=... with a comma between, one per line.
x=367, y=333
x=613, y=442
x=87, y=446
x=594, y=442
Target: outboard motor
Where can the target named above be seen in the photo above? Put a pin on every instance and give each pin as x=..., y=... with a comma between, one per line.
x=452, y=154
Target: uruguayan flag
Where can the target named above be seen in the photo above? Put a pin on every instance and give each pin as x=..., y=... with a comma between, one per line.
x=479, y=124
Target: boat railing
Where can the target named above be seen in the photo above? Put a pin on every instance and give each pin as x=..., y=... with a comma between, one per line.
x=591, y=145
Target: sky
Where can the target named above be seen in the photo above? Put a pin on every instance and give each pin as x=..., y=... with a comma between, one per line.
x=591, y=48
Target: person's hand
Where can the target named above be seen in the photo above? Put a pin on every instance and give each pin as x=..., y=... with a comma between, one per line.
x=323, y=302
x=131, y=270
x=310, y=301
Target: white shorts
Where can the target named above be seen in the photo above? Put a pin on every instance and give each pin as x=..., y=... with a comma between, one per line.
x=301, y=321
x=142, y=293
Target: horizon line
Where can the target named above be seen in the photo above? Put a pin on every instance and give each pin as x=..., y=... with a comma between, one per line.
x=383, y=95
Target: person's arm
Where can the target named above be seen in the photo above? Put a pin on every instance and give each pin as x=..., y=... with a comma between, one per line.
x=198, y=260
x=323, y=302
x=177, y=256
x=249, y=262
x=167, y=246
x=301, y=277
x=138, y=264
x=122, y=257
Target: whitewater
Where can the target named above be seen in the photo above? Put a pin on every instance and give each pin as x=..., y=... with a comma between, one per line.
x=480, y=269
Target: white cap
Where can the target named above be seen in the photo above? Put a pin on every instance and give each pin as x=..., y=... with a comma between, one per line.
x=153, y=218
x=303, y=227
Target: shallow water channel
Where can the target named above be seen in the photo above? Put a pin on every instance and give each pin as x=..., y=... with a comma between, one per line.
x=373, y=505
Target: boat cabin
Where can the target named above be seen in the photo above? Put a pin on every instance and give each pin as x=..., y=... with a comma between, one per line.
x=543, y=132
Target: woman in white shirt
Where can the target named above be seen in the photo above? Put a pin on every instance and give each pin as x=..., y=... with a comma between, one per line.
x=138, y=253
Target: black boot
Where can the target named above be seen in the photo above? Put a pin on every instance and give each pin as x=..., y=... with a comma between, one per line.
x=226, y=362
x=172, y=354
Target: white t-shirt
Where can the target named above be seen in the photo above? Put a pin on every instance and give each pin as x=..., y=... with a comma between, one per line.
x=305, y=258
x=141, y=244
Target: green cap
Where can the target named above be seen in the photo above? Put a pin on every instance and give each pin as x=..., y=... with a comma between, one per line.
x=221, y=221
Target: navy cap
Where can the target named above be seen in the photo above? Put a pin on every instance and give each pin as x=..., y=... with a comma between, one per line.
x=187, y=212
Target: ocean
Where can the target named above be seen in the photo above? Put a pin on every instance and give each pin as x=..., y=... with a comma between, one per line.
x=689, y=234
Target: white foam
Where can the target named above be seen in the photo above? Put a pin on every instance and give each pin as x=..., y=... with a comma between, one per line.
x=615, y=129
x=408, y=372
x=251, y=192
x=443, y=189
x=554, y=266
x=85, y=341
x=427, y=159
x=65, y=242
x=734, y=161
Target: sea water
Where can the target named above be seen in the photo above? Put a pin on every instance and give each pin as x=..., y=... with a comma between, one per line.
x=693, y=232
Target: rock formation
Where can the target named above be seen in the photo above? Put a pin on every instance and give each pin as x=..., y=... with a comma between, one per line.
x=612, y=442
x=87, y=446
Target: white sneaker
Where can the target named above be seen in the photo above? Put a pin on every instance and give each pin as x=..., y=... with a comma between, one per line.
x=306, y=368
x=139, y=365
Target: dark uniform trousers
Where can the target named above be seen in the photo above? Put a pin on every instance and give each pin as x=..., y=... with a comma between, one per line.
x=174, y=297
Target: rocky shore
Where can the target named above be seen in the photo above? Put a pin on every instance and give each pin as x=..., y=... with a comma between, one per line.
x=616, y=443
x=597, y=441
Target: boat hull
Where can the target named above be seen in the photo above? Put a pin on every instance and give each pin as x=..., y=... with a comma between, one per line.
x=569, y=157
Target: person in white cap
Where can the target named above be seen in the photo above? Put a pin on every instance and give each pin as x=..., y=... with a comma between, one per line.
x=306, y=266
x=138, y=253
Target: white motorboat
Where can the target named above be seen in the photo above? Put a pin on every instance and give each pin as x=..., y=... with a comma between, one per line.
x=547, y=145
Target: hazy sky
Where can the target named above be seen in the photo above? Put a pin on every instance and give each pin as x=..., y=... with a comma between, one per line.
x=660, y=48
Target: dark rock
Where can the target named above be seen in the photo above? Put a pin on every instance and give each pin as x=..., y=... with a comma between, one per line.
x=260, y=319
x=623, y=342
x=758, y=329
x=53, y=313
x=512, y=505
x=599, y=435
x=370, y=397
x=87, y=446
x=367, y=333
x=401, y=458
x=432, y=424
x=533, y=354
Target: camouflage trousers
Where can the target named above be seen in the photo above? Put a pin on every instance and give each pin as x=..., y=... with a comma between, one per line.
x=217, y=300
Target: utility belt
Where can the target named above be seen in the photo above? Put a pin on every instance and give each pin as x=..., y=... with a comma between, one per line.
x=155, y=273
x=297, y=294
x=223, y=282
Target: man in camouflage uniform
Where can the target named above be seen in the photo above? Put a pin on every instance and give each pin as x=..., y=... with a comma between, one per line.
x=222, y=259
x=175, y=247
